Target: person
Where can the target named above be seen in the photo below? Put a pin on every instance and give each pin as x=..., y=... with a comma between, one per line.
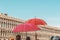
x=59, y=39
x=28, y=38
x=52, y=37
x=18, y=37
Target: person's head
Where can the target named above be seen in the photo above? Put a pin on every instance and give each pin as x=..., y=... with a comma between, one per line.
x=27, y=38
x=59, y=39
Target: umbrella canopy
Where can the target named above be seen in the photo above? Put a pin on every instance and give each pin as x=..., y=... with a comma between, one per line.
x=25, y=28
x=36, y=21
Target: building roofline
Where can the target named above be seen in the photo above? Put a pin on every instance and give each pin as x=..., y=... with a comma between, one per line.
x=49, y=27
x=11, y=18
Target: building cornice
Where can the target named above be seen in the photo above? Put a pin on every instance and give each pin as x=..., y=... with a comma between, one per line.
x=11, y=18
x=49, y=27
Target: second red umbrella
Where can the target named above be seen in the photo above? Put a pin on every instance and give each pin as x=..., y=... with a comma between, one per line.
x=26, y=27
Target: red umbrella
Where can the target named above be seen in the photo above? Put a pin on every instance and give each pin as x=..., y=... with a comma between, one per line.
x=25, y=28
x=36, y=21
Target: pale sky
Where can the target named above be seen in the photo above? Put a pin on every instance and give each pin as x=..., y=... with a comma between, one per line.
x=48, y=10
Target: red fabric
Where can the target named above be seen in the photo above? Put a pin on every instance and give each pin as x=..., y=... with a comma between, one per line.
x=36, y=21
x=25, y=28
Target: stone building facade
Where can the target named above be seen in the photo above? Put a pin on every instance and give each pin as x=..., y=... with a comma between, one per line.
x=7, y=24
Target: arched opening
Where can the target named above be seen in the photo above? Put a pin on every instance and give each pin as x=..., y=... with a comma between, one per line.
x=18, y=37
x=27, y=38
